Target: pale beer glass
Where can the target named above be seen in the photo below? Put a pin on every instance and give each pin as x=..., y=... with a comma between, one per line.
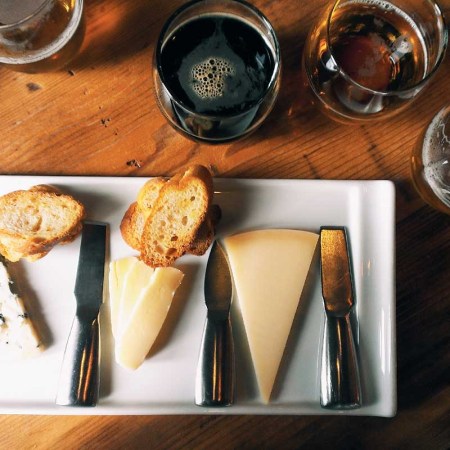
x=368, y=59
x=40, y=35
x=430, y=162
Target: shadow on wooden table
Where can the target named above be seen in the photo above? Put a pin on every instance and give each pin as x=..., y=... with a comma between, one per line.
x=117, y=30
x=422, y=331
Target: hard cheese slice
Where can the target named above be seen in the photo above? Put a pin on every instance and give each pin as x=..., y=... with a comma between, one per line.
x=269, y=270
x=117, y=274
x=136, y=280
x=18, y=337
x=144, y=301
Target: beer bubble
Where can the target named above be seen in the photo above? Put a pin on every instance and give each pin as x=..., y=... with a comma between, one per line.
x=208, y=77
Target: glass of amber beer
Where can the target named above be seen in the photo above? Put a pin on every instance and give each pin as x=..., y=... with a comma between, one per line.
x=40, y=35
x=367, y=59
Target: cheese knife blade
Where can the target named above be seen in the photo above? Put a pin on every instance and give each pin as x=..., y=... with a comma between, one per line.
x=218, y=284
x=79, y=379
x=215, y=372
x=339, y=379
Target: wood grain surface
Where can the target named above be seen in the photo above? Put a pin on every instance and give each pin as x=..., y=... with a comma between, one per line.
x=99, y=117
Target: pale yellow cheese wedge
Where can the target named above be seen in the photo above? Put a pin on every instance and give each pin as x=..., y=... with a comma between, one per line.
x=146, y=317
x=117, y=272
x=269, y=270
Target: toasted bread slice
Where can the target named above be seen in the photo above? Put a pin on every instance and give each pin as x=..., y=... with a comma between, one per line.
x=206, y=232
x=134, y=219
x=177, y=216
x=148, y=194
x=132, y=224
x=32, y=222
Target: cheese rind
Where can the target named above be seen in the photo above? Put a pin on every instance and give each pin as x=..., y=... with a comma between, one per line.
x=269, y=270
x=18, y=336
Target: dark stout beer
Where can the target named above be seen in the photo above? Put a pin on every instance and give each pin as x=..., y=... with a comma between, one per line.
x=217, y=66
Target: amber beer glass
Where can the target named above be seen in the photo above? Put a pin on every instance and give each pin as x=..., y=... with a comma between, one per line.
x=368, y=59
x=40, y=35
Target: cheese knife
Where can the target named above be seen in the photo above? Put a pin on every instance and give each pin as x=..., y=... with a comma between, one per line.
x=79, y=378
x=339, y=378
x=215, y=372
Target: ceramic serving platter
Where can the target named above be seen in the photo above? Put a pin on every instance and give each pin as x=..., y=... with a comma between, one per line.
x=164, y=384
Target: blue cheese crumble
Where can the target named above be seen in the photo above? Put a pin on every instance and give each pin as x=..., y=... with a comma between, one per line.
x=18, y=337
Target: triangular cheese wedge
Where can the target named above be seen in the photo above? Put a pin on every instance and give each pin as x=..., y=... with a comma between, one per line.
x=269, y=270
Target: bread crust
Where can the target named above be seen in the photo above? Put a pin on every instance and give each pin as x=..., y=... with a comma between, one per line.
x=132, y=224
x=33, y=221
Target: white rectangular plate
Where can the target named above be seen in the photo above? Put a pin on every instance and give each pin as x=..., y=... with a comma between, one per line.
x=164, y=384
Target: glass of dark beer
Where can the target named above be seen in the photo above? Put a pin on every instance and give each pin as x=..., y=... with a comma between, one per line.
x=367, y=59
x=216, y=69
x=40, y=35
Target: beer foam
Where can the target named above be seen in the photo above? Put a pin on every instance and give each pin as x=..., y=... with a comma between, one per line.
x=209, y=77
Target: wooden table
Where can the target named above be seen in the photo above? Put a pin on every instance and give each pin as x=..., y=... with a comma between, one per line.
x=99, y=117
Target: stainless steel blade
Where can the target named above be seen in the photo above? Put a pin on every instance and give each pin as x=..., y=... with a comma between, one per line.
x=340, y=386
x=218, y=283
x=214, y=385
x=79, y=380
x=91, y=266
x=337, y=283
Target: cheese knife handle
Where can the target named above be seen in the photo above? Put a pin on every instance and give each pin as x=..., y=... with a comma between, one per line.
x=79, y=379
x=215, y=372
x=340, y=386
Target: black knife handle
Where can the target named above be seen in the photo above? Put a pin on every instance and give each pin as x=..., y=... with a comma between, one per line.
x=340, y=386
x=79, y=379
x=215, y=372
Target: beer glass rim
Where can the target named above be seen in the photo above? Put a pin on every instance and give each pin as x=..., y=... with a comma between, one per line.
x=27, y=18
x=276, y=55
x=419, y=84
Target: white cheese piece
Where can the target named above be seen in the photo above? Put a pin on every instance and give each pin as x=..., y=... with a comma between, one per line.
x=18, y=337
x=145, y=300
x=269, y=270
x=117, y=271
x=128, y=277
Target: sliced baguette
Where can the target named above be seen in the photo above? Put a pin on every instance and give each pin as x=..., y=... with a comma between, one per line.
x=148, y=194
x=176, y=217
x=132, y=224
x=206, y=232
x=133, y=221
x=32, y=222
